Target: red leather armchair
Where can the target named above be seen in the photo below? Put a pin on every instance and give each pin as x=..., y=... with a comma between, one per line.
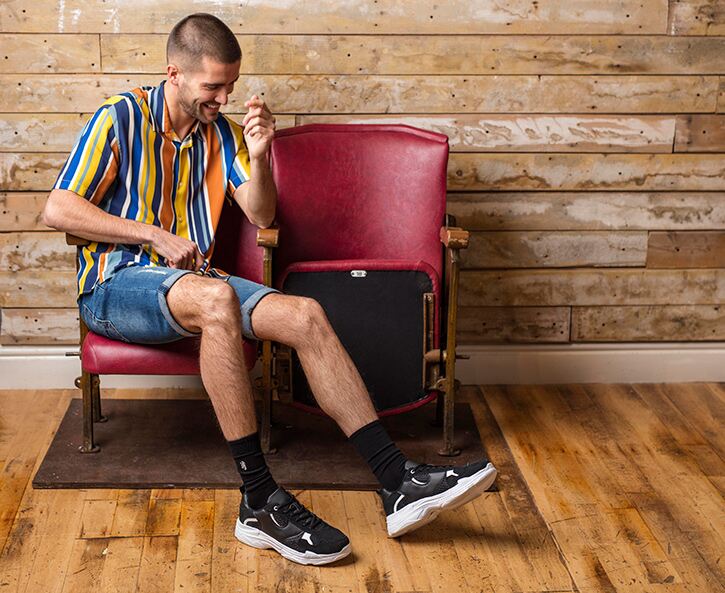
x=362, y=224
x=362, y=228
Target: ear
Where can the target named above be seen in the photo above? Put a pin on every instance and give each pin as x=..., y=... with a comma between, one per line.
x=173, y=73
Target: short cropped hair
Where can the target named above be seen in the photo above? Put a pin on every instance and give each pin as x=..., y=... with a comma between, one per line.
x=202, y=35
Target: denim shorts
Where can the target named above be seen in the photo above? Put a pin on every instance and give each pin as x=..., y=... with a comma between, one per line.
x=131, y=305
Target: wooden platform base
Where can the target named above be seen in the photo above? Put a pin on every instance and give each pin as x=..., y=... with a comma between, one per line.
x=178, y=444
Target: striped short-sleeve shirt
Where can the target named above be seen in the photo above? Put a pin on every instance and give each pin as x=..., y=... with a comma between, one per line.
x=129, y=162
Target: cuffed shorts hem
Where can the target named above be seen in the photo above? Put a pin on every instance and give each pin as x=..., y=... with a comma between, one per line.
x=132, y=305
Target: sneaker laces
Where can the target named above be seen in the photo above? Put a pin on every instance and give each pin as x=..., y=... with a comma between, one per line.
x=426, y=468
x=297, y=512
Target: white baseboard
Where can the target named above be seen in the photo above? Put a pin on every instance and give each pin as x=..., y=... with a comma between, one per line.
x=32, y=367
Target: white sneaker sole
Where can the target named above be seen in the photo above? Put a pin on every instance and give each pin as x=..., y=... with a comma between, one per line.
x=423, y=511
x=258, y=539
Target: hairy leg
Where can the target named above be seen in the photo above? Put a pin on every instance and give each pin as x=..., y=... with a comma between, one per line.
x=211, y=306
x=301, y=323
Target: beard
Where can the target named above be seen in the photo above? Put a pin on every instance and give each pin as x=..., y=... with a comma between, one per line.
x=195, y=108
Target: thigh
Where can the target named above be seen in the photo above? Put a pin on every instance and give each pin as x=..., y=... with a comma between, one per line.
x=282, y=318
x=131, y=306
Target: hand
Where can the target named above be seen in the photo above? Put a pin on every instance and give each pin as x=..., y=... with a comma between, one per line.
x=259, y=126
x=179, y=252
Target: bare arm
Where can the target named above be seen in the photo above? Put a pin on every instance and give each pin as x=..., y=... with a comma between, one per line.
x=70, y=213
x=258, y=196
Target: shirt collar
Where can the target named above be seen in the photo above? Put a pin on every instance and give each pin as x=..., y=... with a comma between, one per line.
x=161, y=118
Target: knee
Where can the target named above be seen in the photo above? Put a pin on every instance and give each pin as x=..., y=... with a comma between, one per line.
x=310, y=321
x=219, y=306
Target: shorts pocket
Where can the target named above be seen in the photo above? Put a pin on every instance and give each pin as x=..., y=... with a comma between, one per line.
x=103, y=327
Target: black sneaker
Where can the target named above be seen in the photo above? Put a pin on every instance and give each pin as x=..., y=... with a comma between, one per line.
x=428, y=489
x=288, y=527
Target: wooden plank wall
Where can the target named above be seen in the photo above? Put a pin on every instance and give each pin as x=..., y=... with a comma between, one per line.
x=587, y=138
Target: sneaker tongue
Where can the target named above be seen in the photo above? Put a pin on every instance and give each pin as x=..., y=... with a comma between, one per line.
x=279, y=497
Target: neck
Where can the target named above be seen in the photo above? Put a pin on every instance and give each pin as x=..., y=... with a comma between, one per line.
x=181, y=121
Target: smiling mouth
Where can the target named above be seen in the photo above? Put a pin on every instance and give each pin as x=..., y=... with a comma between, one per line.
x=214, y=107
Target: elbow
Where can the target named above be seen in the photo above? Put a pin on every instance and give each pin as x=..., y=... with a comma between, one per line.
x=264, y=223
x=264, y=220
x=52, y=215
x=48, y=216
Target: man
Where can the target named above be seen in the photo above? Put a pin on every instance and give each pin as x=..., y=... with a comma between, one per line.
x=145, y=183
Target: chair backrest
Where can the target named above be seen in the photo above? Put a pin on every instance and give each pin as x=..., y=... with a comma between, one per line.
x=235, y=248
x=359, y=191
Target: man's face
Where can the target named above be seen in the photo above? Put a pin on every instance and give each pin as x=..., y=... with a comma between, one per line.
x=202, y=91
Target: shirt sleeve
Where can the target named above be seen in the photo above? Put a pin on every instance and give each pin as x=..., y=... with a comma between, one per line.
x=93, y=162
x=241, y=169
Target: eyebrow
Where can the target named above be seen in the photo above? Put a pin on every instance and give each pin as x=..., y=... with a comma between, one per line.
x=220, y=83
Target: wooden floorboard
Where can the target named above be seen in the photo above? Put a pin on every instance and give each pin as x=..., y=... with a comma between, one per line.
x=602, y=488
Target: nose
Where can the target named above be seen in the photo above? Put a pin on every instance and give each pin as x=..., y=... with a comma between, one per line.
x=222, y=97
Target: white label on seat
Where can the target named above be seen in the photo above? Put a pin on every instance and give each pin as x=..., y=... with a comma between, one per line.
x=358, y=273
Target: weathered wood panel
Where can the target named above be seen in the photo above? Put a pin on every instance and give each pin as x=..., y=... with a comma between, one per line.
x=700, y=133
x=513, y=249
x=30, y=171
x=49, y=53
x=574, y=83
x=531, y=133
x=21, y=211
x=40, y=132
x=686, y=249
x=536, y=288
x=50, y=132
x=39, y=326
x=686, y=172
x=329, y=16
x=476, y=172
x=696, y=17
x=38, y=289
x=439, y=54
x=35, y=251
x=588, y=210
x=386, y=94
x=648, y=324
x=513, y=324
x=555, y=288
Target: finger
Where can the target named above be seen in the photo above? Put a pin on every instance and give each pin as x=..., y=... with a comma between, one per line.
x=255, y=100
x=185, y=260
x=251, y=114
x=246, y=122
x=259, y=121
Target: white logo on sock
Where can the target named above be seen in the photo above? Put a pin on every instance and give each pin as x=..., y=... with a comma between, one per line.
x=243, y=465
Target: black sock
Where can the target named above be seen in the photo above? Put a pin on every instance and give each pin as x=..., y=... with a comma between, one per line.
x=383, y=457
x=248, y=457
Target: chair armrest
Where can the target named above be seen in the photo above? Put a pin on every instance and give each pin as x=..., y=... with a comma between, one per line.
x=73, y=240
x=454, y=237
x=268, y=237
